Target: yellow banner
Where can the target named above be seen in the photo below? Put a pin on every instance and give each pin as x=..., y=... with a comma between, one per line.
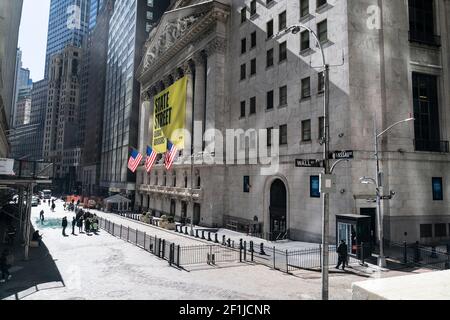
x=169, y=116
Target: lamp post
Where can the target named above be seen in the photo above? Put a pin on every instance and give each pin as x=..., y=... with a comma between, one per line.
x=325, y=139
x=378, y=187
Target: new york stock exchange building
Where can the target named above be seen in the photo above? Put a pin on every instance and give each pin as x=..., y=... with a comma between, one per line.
x=240, y=71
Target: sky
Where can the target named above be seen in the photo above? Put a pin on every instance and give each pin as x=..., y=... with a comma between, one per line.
x=33, y=36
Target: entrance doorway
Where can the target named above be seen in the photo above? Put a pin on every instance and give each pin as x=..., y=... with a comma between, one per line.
x=277, y=211
x=372, y=213
x=172, y=207
x=183, y=212
x=196, y=214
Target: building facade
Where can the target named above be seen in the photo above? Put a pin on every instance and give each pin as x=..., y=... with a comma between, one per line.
x=10, y=14
x=388, y=60
x=27, y=140
x=68, y=24
x=130, y=24
x=95, y=99
x=94, y=11
x=62, y=118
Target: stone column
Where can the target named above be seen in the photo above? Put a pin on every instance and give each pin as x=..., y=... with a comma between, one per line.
x=199, y=100
x=215, y=95
x=144, y=119
x=188, y=69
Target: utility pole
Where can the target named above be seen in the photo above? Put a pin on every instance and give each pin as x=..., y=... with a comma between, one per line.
x=326, y=199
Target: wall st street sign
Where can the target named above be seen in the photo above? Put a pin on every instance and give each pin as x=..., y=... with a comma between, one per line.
x=347, y=154
x=308, y=163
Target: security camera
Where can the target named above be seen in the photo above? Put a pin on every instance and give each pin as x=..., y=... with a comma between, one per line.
x=392, y=193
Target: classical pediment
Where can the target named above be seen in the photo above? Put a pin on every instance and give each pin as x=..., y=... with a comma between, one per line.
x=174, y=26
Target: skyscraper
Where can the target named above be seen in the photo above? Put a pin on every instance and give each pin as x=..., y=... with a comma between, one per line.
x=130, y=25
x=68, y=24
x=10, y=13
x=92, y=99
x=94, y=11
x=62, y=117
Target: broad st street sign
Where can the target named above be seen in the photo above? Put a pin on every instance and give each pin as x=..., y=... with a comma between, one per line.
x=308, y=163
x=348, y=154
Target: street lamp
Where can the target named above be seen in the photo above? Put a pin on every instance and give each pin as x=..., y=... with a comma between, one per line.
x=378, y=186
x=294, y=29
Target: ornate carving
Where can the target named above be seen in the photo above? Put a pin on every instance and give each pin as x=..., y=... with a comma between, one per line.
x=172, y=31
x=218, y=45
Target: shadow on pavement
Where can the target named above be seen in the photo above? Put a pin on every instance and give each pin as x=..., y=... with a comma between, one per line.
x=38, y=273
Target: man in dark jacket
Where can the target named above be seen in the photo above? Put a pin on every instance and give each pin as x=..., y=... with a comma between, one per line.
x=64, y=225
x=342, y=255
x=74, y=222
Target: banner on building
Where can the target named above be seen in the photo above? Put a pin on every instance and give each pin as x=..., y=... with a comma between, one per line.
x=169, y=116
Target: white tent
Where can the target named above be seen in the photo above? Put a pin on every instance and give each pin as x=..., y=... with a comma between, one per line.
x=117, y=202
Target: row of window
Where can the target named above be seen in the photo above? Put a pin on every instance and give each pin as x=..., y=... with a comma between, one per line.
x=440, y=230
x=304, y=8
x=282, y=95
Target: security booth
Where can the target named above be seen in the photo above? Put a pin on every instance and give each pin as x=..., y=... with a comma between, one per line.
x=354, y=230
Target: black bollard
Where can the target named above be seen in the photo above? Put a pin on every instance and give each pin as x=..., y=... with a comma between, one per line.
x=229, y=242
x=215, y=238
x=203, y=234
x=251, y=251
x=196, y=233
x=405, y=253
x=209, y=236
x=245, y=250
x=224, y=242
x=186, y=230
x=261, y=249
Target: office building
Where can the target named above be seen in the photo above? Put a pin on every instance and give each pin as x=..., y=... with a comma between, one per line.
x=130, y=25
x=247, y=71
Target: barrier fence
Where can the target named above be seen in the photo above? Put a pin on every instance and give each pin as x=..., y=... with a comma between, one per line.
x=221, y=250
x=421, y=256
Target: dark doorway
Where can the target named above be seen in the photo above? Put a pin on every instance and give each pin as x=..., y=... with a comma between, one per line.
x=172, y=207
x=196, y=214
x=278, y=210
x=372, y=213
x=183, y=212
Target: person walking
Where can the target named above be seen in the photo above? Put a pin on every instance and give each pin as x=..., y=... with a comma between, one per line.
x=74, y=222
x=64, y=225
x=342, y=254
x=53, y=207
x=41, y=216
x=64, y=205
x=4, y=266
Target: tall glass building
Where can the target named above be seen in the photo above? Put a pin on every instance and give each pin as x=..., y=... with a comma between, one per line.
x=68, y=24
x=95, y=7
x=130, y=25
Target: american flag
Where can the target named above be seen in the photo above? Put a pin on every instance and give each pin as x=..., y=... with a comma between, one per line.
x=170, y=155
x=135, y=160
x=151, y=158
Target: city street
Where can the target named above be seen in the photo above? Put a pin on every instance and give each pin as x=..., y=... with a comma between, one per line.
x=104, y=267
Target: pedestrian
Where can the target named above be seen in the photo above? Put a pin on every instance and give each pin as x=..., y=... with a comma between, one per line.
x=4, y=266
x=87, y=225
x=41, y=216
x=74, y=222
x=64, y=226
x=53, y=207
x=342, y=254
x=64, y=205
x=80, y=224
x=37, y=237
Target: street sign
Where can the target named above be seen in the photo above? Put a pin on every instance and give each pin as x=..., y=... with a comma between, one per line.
x=327, y=183
x=347, y=154
x=386, y=197
x=308, y=163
